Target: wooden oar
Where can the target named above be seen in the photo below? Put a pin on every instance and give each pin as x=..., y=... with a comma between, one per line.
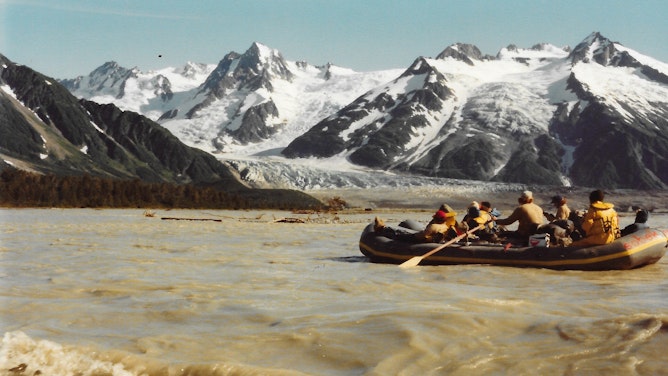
x=416, y=260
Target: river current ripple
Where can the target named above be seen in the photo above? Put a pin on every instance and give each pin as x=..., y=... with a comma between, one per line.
x=113, y=292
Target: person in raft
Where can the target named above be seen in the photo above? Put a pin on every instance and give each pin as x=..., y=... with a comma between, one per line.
x=489, y=214
x=450, y=214
x=561, y=226
x=455, y=228
x=563, y=211
x=476, y=217
x=640, y=223
x=600, y=224
x=436, y=230
x=529, y=216
x=471, y=212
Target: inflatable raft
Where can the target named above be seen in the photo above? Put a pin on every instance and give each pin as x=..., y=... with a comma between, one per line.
x=642, y=248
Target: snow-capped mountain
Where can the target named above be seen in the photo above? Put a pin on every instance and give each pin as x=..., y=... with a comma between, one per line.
x=249, y=103
x=593, y=116
x=151, y=93
x=45, y=129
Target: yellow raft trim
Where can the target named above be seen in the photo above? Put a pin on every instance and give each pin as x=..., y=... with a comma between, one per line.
x=466, y=260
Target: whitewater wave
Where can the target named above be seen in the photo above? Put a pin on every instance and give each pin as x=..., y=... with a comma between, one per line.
x=22, y=355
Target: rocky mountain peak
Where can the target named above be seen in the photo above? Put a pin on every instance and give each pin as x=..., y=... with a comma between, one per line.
x=190, y=69
x=595, y=48
x=598, y=49
x=109, y=78
x=461, y=51
x=162, y=87
x=4, y=64
x=260, y=58
x=420, y=66
x=252, y=70
x=220, y=78
x=109, y=66
x=112, y=71
x=4, y=59
x=328, y=71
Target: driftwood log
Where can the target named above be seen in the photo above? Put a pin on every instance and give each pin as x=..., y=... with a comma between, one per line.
x=289, y=220
x=190, y=219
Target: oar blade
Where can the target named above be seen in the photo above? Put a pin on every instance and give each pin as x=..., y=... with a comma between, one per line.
x=416, y=260
x=411, y=262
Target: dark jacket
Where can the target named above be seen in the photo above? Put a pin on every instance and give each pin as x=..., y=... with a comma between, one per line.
x=633, y=227
x=640, y=223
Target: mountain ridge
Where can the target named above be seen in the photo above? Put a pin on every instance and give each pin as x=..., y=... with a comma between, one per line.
x=545, y=114
x=488, y=110
x=44, y=129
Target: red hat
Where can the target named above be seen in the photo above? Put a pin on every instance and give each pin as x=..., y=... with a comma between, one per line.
x=440, y=215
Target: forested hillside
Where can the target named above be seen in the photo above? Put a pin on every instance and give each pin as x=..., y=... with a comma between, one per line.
x=23, y=189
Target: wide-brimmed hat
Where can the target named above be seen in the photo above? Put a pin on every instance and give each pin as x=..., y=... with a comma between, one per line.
x=527, y=195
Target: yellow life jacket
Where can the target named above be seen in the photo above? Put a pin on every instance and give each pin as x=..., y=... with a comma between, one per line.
x=450, y=218
x=601, y=224
x=485, y=217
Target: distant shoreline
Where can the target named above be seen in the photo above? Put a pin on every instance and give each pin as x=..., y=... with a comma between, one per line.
x=428, y=198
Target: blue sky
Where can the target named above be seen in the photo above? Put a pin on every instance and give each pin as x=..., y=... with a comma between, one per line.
x=67, y=38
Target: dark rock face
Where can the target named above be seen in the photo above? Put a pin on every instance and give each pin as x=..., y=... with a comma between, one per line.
x=461, y=51
x=163, y=88
x=615, y=153
x=160, y=154
x=254, y=123
x=66, y=136
x=17, y=138
x=219, y=81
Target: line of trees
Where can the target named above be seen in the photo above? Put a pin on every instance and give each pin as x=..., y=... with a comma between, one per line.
x=19, y=188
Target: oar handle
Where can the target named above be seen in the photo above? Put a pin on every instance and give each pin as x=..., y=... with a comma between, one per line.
x=416, y=260
x=457, y=238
